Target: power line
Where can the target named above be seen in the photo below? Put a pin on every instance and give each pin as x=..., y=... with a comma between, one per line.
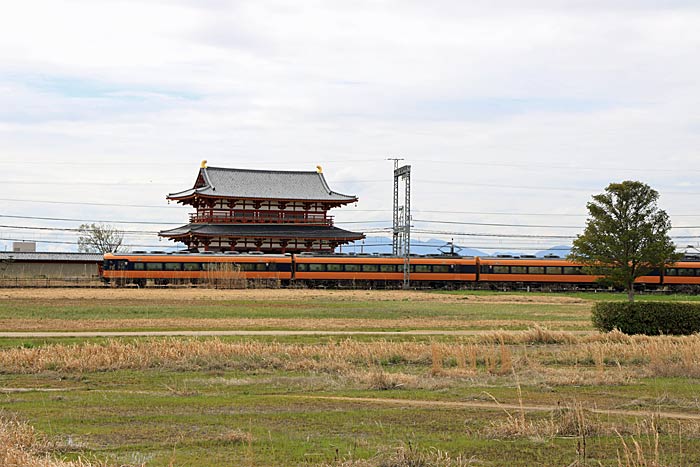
x=465, y=234
x=82, y=183
x=378, y=159
x=361, y=222
x=66, y=229
x=72, y=243
x=83, y=203
x=348, y=209
x=94, y=163
x=138, y=232
x=346, y=182
x=485, y=213
x=416, y=244
x=482, y=213
x=62, y=219
x=501, y=225
x=375, y=230
x=532, y=225
x=565, y=237
x=503, y=186
x=596, y=168
x=500, y=248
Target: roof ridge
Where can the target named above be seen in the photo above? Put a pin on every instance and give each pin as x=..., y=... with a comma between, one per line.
x=232, y=169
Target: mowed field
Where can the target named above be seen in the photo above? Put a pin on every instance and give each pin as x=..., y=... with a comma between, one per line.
x=337, y=378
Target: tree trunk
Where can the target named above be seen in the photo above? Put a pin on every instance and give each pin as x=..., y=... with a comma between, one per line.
x=630, y=293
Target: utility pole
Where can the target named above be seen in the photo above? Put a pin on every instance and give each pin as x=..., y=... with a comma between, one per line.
x=401, y=241
x=395, y=239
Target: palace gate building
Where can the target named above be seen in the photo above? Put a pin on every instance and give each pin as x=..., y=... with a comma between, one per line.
x=270, y=211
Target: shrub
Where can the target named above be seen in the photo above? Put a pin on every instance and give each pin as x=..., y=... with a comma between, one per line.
x=650, y=318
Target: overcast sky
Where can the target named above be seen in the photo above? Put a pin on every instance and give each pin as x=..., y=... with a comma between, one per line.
x=510, y=112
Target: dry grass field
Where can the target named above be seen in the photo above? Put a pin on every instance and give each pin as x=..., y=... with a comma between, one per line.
x=524, y=391
x=268, y=294
x=197, y=309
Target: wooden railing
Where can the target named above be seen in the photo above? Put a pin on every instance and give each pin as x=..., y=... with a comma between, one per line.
x=260, y=217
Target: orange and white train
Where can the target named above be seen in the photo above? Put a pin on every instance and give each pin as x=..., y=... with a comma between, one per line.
x=365, y=270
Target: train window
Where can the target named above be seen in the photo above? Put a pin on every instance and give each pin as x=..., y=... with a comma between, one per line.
x=486, y=269
x=302, y=267
x=441, y=268
x=154, y=266
x=173, y=266
x=572, y=270
x=501, y=270
x=272, y=266
x=247, y=266
x=387, y=268
x=518, y=269
x=464, y=269
x=121, y=265
x=653, y=272
x=422, y=268
x=370, y=267
x=139, y=266
x=552, y=270
x=193, y=266
x=261, y=267
x=315, y=267
x=335, y=267
x=686, y=272
x=352, y=268
x=535, y=270
x=399, y=267
x=671, y=272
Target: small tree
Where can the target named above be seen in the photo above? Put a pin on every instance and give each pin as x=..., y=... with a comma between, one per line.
x=626, y=235
x=98, y=238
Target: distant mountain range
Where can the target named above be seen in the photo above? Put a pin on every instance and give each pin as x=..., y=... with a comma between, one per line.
x=560, y=250
x=429, y=247
x=437, y=246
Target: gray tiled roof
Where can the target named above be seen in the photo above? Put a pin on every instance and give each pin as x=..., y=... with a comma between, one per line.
x=51, y=256
x=263, y=230
x=274, y=184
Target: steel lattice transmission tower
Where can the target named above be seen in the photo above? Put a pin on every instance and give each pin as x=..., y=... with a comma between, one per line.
x=401, y=240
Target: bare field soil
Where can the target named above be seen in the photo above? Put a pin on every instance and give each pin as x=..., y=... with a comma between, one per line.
x=273, y=294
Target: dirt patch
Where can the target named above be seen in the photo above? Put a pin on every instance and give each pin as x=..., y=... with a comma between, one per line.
x=275, y=323
x=273, y=295
x=495, y=406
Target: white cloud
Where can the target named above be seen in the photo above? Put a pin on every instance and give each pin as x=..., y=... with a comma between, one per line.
x=559, y=94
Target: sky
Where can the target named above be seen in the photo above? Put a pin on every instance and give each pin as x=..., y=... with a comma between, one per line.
x=509, y=112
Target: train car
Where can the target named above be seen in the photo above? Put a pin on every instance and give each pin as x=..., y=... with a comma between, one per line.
x=384, y=271
x=532, y=270
x=360, y=270
x=169, y=268
x=683, y=273
x=551, y=271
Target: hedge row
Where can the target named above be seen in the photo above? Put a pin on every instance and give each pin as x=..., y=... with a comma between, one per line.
x=650, y=318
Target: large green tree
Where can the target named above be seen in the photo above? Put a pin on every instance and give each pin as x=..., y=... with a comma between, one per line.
x=626, y=235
